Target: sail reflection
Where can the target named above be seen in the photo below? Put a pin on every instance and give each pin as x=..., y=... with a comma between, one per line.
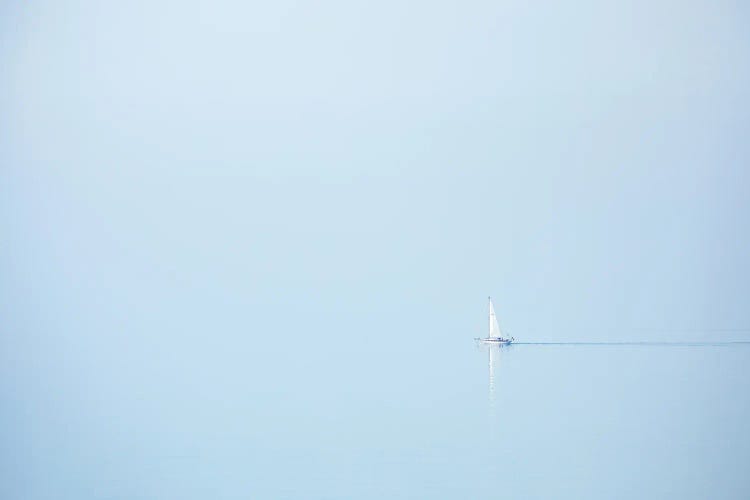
x=494, y=361
x=494, y=353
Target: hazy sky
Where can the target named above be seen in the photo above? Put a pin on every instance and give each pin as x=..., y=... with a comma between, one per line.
x=586, y=163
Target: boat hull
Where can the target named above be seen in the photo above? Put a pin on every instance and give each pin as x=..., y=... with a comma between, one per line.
x=494, y=340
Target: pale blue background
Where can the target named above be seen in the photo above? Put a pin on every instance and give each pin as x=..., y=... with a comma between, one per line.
x=244, y=248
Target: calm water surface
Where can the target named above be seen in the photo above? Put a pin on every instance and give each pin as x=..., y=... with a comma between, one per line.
x=365, y=419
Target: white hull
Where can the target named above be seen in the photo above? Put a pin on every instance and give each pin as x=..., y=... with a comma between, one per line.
x=495, y=340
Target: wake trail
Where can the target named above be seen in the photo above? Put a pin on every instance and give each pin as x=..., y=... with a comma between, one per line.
x=696, y=344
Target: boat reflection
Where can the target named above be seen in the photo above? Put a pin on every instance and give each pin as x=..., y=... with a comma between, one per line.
x=494, y=353
x=494, y=364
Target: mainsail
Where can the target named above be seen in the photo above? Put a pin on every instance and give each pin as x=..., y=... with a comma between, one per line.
x=494, y=327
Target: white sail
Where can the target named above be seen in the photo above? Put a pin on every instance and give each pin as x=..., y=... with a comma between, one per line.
x=494, y=327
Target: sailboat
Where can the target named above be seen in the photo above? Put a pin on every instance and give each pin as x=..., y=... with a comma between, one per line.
x=495, y=336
